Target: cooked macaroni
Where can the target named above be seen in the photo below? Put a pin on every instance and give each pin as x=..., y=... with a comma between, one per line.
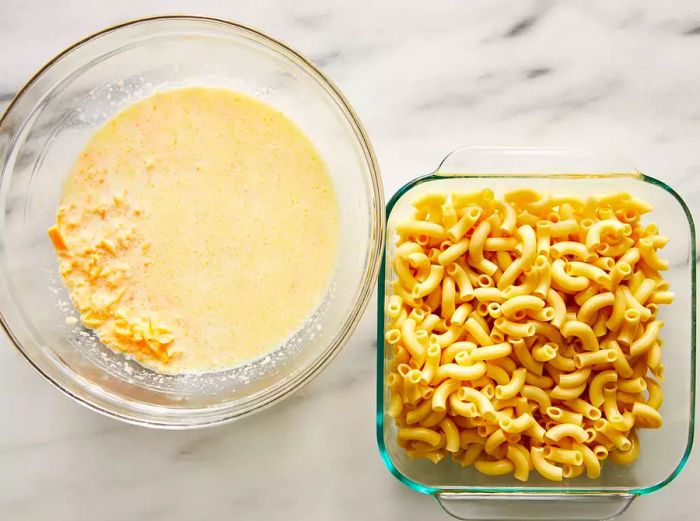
x=524, y=331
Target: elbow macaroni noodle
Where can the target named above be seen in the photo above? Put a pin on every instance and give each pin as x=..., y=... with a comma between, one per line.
x=523, y=331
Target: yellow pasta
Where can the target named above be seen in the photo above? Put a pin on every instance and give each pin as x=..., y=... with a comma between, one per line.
x=471, y=454
x=451, y=432
x=494, y=468
x=603, y=356
x=565, y=282
x=524, y=356
x=545, y=352
x=394, y=306
x=430, y=283
x=650, y=417
x=567, y=430
x=591, y=272
x=544, y=382
x=453, y=252
x=567, y=393
x=610, y=432
x=515, y=329
x=560, y=415
x=648, y=253
x=545, y=468
x=428, y=436
x=644, y=290
x=464, y=409
x=555, y=300
x=655, y=393
x=460, y=372
x=453, y=333
x=523, y=331
x=632, y=385
x=583, y=332
x=433, y=419
x=564, y=228
x=413, y=346
x=605, y=230
x=439, y=398
x=510, y=274
x=528, y=240
x=491, y=352
x=593, y=305
x=633, y=303
x=459, y=316
x=449, y=214
x=462, y=280
x=612, y=413
x=661, y=297
x=627, y=457
x=500, y=244
x=565, y=456
x=448, y=353
x=528, y=286
x=514, y=386
x=476, y=249
x=629, y=327
x=543, y=272
x=537, y=395
x=647, y=339
x=418, y=413
x=516, y=425
x=464, y=224
x=621, y=364
x=584, y=408
x=494, y=441
x=561, y=363
x=488, y=294
x=521, y=303
x=575, y=378
x=414, y=227
x=571, y=249
x=590, y=461
x=521, y=462
x=448, y=297
x=432, y=362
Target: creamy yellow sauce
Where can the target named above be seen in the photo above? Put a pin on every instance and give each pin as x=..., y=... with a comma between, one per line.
x=197, y=231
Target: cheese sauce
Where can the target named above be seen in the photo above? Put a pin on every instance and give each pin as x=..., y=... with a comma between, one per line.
x=197, y=230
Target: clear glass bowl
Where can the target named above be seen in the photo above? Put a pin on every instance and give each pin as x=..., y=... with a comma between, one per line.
x=40, y=136
x=467, y=494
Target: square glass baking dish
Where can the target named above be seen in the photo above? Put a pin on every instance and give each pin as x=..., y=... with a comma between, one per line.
x=465, y=493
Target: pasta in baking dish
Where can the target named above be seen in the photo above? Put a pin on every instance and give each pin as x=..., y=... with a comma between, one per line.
x=524, y=332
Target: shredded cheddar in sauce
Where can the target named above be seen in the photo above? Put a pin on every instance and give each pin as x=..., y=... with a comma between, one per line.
x=198, y=230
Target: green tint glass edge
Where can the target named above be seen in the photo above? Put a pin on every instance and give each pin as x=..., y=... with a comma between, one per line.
x=381, y=286
x=693, y=334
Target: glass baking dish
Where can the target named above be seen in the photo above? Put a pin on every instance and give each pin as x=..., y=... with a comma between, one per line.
x=465, y=493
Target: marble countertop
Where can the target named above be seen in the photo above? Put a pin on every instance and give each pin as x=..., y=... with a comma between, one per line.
x=424, y=78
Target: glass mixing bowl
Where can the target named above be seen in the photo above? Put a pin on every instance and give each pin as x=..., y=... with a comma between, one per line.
x=43, y=131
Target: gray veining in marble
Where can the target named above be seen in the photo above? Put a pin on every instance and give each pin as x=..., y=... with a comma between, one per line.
x=425, y=78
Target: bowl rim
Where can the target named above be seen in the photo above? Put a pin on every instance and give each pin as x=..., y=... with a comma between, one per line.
x=439, y=174
x=271, y=395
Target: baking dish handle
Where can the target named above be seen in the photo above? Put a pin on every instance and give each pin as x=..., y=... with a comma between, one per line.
x=489, y=161
x=533, y=507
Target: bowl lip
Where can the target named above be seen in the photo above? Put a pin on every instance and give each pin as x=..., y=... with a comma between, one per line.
x=438, y=175
x=272, y=395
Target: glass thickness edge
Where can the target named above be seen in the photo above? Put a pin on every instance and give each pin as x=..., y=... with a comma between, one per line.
x=381, y=287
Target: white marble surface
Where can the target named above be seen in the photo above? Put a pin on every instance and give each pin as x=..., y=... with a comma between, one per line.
x=424, y=77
